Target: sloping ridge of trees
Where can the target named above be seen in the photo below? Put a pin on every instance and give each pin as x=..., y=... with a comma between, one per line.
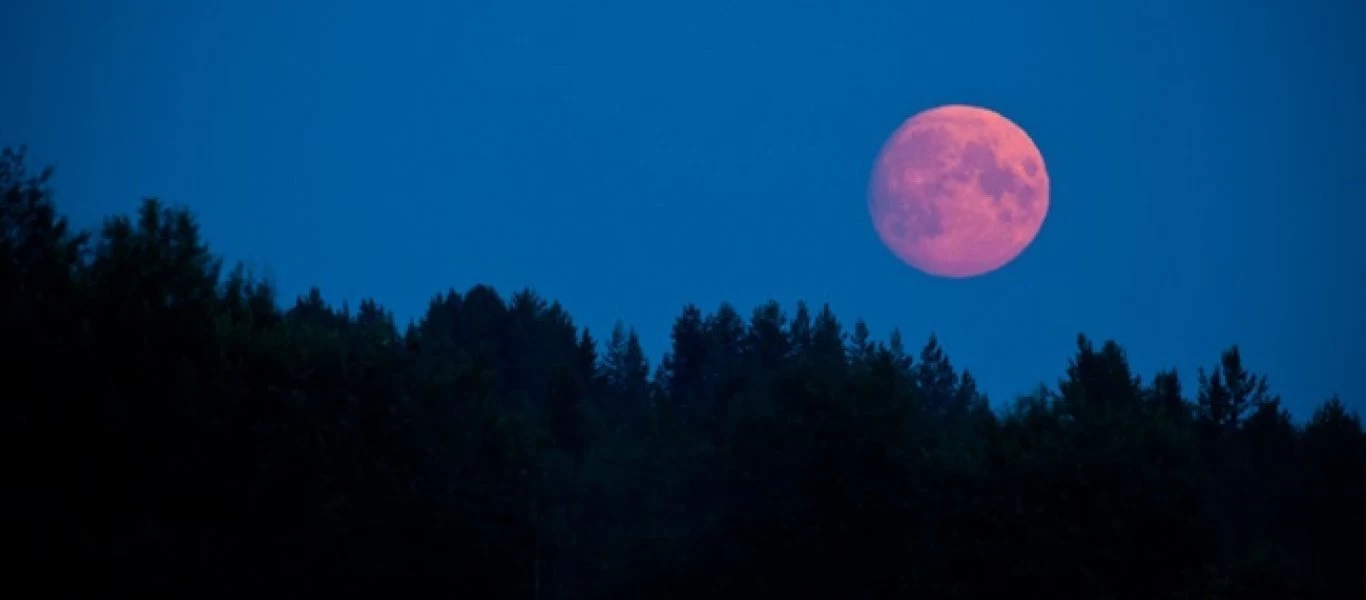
x=173, y=429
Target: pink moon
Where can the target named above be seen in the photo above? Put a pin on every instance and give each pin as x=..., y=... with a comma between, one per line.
x=958, y=191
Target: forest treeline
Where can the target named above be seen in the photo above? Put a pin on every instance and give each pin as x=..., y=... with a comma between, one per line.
x=174, y=428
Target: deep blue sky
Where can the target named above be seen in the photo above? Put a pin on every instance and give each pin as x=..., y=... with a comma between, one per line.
x=628, y=157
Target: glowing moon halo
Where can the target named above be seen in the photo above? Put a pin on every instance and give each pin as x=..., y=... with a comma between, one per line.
x=958, y=191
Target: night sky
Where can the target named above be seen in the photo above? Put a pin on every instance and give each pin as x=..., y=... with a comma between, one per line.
x=629, y=157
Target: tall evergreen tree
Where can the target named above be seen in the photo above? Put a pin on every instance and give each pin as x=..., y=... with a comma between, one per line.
x=1228, y=393
x=935, y=378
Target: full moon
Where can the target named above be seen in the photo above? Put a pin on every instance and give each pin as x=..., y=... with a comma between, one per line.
x=958, y=191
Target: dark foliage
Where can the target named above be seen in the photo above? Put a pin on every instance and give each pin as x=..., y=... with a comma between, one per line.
x=173, y=429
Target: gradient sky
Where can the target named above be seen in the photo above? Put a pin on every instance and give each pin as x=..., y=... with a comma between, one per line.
x=628, y=157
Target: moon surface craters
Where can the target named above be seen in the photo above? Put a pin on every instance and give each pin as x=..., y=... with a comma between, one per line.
x=958, y=191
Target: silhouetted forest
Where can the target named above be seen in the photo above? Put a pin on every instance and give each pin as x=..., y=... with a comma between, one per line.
x=174, y=428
